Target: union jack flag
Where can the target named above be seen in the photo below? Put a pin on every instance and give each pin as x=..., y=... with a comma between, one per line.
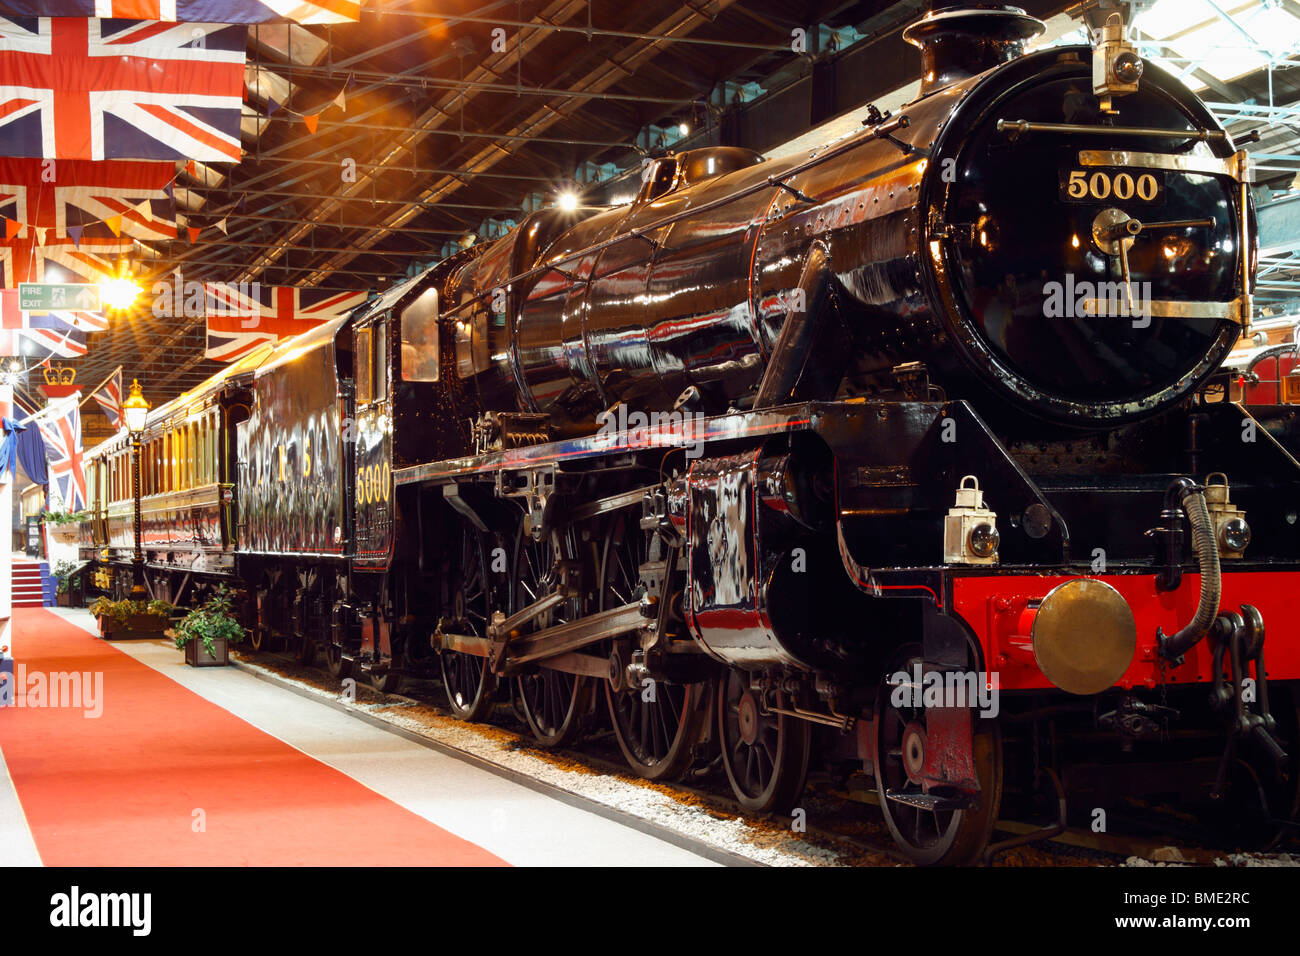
x=38, y=336
x=242, y=317
x=63, y=452
x=109, y=397
x=213, y=11
x=119, y=89
x=55, y=194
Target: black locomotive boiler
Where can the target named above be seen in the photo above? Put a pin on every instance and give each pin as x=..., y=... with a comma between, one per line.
x=901, y=461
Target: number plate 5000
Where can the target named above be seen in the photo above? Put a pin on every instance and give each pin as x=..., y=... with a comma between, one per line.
x=1112, y=185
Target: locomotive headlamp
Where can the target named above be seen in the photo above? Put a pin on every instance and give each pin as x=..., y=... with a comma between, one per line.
x=1116, y=64
x=1084, y=636
x=1127, y=67
x=1230, y=528
x=1234, y=536
x=135, y=408
x=970, y=530
x=984, y=539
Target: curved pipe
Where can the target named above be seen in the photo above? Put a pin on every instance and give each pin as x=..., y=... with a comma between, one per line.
x=1191, y=499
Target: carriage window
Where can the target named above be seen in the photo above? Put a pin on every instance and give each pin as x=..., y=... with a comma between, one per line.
x=364, y=361
x=420, y=339
x=178, y=447
x=207, y=450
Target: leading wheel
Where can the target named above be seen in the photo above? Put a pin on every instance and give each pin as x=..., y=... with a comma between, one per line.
x=553, y=702
x=765, y=754
x=468, y=679
x=931, y=837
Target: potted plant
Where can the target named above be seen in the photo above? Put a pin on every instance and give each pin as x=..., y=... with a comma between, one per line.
x=130, y=619
x=63, y=575
x=64, y=526
x=206, y=633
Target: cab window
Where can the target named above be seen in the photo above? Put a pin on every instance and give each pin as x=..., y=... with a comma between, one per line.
x=660, y=181
x=379, y=378
x=420, y=339
x=365, y=362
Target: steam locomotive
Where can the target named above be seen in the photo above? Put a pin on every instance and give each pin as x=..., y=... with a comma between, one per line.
x=908, y=461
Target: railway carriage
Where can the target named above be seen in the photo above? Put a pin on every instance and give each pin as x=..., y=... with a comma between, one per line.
x=910, y=461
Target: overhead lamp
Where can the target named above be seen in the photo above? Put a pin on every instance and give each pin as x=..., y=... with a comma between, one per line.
x=119, y=293
x=684, y=129
x=567, y=200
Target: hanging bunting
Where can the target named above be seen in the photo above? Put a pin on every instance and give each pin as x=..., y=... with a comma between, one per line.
x=194, y=233
x=310, y=121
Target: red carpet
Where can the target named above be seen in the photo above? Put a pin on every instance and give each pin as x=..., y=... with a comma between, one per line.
x=121, y=789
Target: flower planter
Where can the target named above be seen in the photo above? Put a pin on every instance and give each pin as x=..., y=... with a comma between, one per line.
x=137, y=626
x=197, y=656
x=67, y=533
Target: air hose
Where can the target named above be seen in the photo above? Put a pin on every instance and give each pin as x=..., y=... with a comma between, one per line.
x=1184, y=494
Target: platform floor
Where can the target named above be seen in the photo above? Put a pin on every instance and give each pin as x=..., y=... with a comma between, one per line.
x=149, y=762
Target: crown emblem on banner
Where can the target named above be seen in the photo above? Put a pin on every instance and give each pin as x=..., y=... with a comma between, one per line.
x=60, y=375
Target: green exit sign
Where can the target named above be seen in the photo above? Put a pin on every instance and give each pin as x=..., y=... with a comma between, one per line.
x=47, y=296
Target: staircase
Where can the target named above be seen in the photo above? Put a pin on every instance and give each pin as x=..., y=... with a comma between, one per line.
x=29, y=581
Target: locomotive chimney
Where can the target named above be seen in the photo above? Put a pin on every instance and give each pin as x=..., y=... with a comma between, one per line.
x=960, y=39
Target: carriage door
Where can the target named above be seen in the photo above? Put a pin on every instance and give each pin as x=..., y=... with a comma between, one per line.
x=373, y=497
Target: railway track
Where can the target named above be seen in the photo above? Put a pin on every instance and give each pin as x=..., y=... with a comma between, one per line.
x=836, y=824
